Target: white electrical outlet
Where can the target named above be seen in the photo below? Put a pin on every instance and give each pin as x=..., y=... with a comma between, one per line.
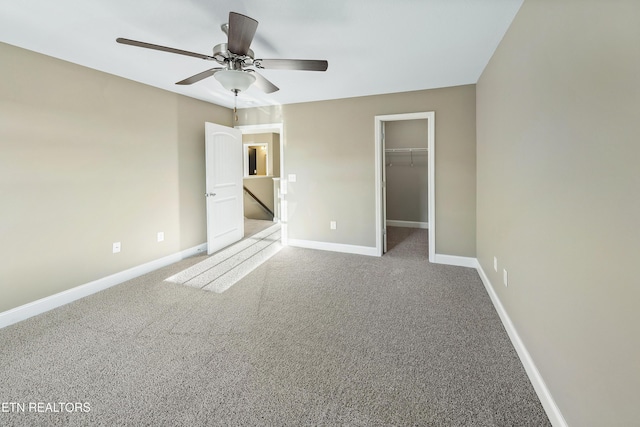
x=116, y=247
x=333, y=225
x=160, y=236
x=292, y=177
x=505, y=278
x=495, y=264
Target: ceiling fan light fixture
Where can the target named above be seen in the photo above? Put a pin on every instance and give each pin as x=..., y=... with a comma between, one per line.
x=235, y=80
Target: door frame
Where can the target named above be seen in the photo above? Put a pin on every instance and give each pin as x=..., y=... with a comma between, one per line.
x=279, y=129
x=380, y=159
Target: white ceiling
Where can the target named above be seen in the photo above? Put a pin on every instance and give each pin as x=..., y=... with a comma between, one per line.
x=373, y=46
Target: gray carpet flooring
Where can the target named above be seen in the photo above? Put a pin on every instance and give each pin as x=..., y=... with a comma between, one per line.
x=308, y=338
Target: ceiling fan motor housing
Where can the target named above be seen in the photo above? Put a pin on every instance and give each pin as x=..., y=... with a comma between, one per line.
x=223, y=56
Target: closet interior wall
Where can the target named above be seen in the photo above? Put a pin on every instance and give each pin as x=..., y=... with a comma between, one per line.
x=406, y=164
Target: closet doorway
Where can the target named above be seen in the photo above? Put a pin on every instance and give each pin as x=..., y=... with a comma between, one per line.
x=405, y=171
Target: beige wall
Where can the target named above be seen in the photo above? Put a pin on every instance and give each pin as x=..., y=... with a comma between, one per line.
x=274, y=150
x=406, y=172
x=559, y=198
x=261, y=161
x=88, y=159
x=330, y=146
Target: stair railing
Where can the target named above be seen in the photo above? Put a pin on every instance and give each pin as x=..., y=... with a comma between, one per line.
x=254, y=197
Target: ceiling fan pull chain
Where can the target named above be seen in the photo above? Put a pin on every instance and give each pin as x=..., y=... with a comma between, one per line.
x=235, y=106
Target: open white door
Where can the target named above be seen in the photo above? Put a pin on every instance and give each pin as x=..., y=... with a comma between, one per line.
x=225, y=211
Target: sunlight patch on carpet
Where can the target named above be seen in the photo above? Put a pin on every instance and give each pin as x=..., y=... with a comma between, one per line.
x=223, y=269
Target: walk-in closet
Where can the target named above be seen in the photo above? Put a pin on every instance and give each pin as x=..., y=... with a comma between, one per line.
x=406, y=171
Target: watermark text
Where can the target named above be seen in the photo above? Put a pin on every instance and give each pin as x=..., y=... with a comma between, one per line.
x=44, y=407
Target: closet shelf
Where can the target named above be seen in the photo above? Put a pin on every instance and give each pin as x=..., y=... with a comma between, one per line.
x=405, y=150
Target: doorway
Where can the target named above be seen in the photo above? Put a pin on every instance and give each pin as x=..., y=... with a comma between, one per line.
x=409, y=156
x=275, y=166
x=257, y=159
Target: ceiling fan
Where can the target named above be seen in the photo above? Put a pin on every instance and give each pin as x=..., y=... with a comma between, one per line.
x=238, y=61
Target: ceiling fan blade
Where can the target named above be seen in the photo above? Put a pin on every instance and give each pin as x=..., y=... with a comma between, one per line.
x=263, y=84
x=292, y=64
x=241, y=32
x=200, y=76
x=162, y=48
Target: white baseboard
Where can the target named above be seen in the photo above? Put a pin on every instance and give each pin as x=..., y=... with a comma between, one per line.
x=549, y=405
x=48, y=303
x=334, y=247
x=407, y=224
x=459, y=261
